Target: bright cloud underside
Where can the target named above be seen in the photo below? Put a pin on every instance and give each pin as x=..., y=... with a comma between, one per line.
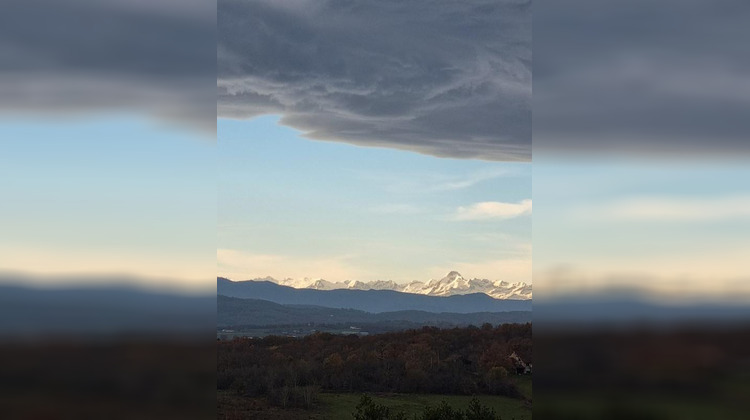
x=488, y=210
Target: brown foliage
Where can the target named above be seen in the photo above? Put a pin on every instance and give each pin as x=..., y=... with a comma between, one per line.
x=430, y=360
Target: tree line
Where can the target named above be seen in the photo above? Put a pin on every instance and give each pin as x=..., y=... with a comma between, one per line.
x=290, y=372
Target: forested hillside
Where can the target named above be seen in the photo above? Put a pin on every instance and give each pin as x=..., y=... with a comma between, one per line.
x=291, y=371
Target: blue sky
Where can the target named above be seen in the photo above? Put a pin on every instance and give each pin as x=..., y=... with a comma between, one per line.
x=108, y=195
x=294, y=207
x=676, y=228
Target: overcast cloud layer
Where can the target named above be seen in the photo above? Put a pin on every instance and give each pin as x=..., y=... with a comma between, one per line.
x=154, y=57
x=440, y=77
x=667, y=77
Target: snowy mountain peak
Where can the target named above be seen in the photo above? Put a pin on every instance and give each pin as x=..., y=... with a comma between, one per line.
x=452, y=284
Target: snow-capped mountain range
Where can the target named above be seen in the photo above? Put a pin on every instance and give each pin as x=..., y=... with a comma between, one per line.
x=452, y=284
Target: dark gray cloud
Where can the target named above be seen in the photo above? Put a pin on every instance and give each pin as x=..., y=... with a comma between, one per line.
x=86, y=56
x=670, y=78
x=440, y=77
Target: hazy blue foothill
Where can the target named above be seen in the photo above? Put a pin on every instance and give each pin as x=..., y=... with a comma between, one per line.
x=627, y=309
x=110, y=309
x=374, y=301
x=255, y=312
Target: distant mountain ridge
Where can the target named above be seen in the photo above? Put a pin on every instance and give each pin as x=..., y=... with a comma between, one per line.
x=452, y=284
x=374, y=301
x=108, y=308
x=254, y=312
x=623, y=307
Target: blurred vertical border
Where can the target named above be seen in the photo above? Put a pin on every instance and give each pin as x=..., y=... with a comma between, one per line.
x=107, y=290
x=642, y=213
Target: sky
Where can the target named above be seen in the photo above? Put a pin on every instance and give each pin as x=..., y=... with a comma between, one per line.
x=640, y=148
x=108, y=158
x=376, y=140
x=671, y=230
x=384, y=140
x=110, y=195
x=95, y=184
x=290, y=207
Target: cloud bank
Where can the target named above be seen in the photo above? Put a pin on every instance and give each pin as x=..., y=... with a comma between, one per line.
x=443, y=78
x=637, y=77
x=88, y=56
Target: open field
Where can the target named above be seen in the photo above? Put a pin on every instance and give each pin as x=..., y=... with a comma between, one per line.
x=692, y=371
x=335, y=406
x=595, y=406
x=340, y=406
x=524, y=385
